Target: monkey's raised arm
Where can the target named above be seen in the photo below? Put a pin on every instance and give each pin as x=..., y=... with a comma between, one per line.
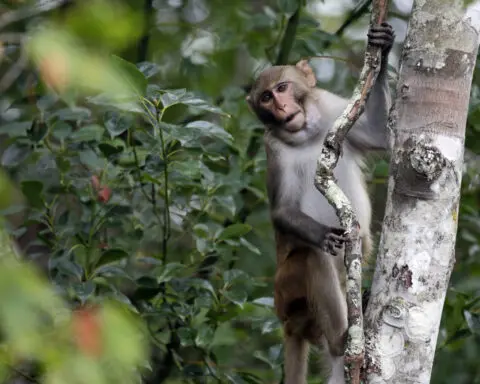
x=370, y=132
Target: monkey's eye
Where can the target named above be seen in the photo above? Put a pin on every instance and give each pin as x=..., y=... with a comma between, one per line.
x=266, y=97
x=282, y=87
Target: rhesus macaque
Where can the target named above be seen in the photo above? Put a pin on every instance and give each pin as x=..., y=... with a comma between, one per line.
x=310, y=276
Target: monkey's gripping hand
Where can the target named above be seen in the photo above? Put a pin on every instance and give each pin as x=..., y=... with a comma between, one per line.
x=381, y=36
x=334, y=241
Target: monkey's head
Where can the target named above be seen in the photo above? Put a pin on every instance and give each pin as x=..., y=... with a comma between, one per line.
x=278, y=96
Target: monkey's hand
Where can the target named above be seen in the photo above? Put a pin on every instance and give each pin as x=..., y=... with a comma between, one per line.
x=334, y=241
x=382, y=36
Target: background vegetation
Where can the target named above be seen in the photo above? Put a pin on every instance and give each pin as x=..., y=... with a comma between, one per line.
x=133, y=181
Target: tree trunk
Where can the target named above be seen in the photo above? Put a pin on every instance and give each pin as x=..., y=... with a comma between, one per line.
x=416, y=253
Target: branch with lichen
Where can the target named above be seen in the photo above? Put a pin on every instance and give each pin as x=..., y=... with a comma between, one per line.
x=325, y=183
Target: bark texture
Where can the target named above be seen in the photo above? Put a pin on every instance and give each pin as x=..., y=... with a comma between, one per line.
x=416, y=253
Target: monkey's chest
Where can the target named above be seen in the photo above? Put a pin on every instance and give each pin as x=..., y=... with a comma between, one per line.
x=301, y=173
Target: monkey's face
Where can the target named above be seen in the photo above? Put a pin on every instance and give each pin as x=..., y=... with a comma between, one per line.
x=278, y=98
x=279, y=105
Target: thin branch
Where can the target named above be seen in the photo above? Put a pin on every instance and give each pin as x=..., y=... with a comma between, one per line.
x=325, y=183
x=11, y=37
x=24, y=13
x=166, y=209
x=354, y=15
x=14, y=72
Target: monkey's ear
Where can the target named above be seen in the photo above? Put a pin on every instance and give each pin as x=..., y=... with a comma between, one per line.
x=249, y=100
x=307, y=71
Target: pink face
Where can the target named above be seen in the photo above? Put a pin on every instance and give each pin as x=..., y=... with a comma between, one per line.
x=281, y=103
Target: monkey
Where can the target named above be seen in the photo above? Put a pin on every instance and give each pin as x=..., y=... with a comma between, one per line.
x=309, y=284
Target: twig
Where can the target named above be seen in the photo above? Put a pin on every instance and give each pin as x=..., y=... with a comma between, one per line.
x=15, y=70
x=354, y=15
x=11, y=37
x=24, y=13
x=325, y=183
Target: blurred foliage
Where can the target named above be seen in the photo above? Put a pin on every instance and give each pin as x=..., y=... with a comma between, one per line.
x=137, y=187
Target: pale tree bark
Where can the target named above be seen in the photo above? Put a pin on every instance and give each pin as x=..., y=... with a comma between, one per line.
x=416, y=253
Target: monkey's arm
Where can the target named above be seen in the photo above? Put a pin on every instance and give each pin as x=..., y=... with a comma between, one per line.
x=290, y=220
x=370, y=132
x=286, y=214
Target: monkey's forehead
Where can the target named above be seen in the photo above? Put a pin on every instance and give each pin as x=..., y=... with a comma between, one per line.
x=269, y=78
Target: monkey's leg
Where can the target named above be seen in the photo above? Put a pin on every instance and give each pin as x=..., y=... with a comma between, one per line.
x=337, y=372
x=296, y=359
x=329, y=308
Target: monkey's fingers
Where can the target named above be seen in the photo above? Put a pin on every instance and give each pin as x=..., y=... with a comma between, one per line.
x=380, y=38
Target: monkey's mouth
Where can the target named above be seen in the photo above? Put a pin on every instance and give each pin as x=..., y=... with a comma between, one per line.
x=291, y=117
x=293, y=124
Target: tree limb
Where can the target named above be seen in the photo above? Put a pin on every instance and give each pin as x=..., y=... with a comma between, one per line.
x=325, y=183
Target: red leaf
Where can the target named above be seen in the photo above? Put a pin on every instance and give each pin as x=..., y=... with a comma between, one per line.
x=87, y=331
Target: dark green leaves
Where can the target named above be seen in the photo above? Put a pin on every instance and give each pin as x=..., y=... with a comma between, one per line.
x=111, y=255
x=32, y=190
x=234, y=231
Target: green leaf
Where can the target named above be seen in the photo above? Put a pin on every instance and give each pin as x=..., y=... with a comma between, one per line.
x=250, y=246
x=234, y=231
x=110, y=270
x=198, y=103
x=37, y=130
x=111, y=256
x=109, y=150
x=186, y=336
x=14, y=155
x=473, y=321
x=201, y=230
x=122, y=102
x=236, y=295
x=73, y=114
x=264, y=301
x=15, y=129
x=84, y=290
x=91, y=159
x=231, y=275
x=131, y=74
x=224, y=335
x=61, y=130
x=169, y=271
x=44, y=103
x=172, y=97
x=117, y=123
x=127, y=157
x=148, y=69
x=32, y=190
x=69, y=268
x=209, y=129
x=260, y=355
x=92, y=132
x=288, y=6
x=204, y=336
